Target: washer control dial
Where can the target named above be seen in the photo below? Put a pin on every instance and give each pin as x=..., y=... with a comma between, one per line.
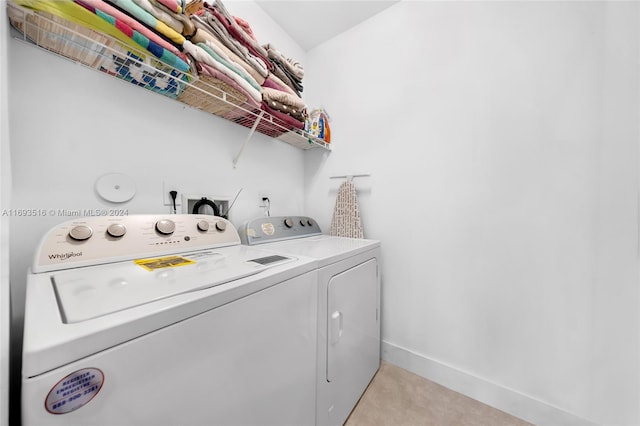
x=80, y=232
x=221, y=225
x=203, y=225
x=116, y=230
x=288, y=223
x=165, y=226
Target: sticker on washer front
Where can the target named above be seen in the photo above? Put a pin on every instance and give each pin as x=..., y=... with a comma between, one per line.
x=163, y=262
x=74, y=391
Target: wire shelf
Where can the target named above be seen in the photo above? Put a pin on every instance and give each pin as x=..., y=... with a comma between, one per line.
x=108, y=55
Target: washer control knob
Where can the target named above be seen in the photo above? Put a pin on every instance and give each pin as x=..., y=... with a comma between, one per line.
x=203, y=225
x=309, y=222
x=302, y=223
x=288, y=223
x=116, y=230
x=165, y=226
x=80, y=232
x=221, y=225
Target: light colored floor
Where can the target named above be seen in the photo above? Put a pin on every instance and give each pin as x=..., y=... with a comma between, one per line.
x=397, y=397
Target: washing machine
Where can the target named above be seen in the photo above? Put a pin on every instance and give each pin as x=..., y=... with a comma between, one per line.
x=348, y=306
x=167, y=320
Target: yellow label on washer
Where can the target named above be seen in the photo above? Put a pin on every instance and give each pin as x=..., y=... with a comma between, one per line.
x=163, y=262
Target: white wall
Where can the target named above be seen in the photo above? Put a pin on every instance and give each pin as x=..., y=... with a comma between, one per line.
x=5, y=192
x=502, y=142
x=71, y=125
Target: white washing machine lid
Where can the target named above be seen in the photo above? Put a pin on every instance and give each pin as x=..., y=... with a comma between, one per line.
x=90, y=292
x=324, y=248
x=227, y=274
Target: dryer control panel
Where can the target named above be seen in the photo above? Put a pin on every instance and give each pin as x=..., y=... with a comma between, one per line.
x=105, y=239
x=278, y=228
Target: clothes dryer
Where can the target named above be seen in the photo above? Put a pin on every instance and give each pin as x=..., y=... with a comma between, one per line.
x=166, y=320
x=348, y=306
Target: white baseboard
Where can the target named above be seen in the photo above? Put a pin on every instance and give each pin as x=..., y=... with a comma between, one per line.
x=504, y=399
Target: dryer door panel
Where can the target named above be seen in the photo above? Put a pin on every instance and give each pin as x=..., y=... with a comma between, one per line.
x=353, y=333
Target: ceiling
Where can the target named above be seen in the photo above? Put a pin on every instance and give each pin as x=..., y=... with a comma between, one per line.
x=313, y=22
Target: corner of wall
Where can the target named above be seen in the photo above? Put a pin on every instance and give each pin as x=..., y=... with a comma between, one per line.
x=5, y=188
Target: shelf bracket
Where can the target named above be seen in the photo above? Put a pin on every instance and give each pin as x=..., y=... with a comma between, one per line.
x=251, y=132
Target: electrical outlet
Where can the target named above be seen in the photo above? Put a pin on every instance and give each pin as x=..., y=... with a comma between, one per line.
x=166, y=198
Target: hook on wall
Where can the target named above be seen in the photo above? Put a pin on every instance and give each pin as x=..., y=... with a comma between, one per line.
x=350, y=177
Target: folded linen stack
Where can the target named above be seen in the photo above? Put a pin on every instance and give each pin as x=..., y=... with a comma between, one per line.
x=278, y=79
x=236, y=76
x=146, y=30
x=141, y=39
x=223, y=62
x=281, y=90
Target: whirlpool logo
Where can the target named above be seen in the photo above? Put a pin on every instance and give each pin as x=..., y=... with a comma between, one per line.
x=65, y=256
